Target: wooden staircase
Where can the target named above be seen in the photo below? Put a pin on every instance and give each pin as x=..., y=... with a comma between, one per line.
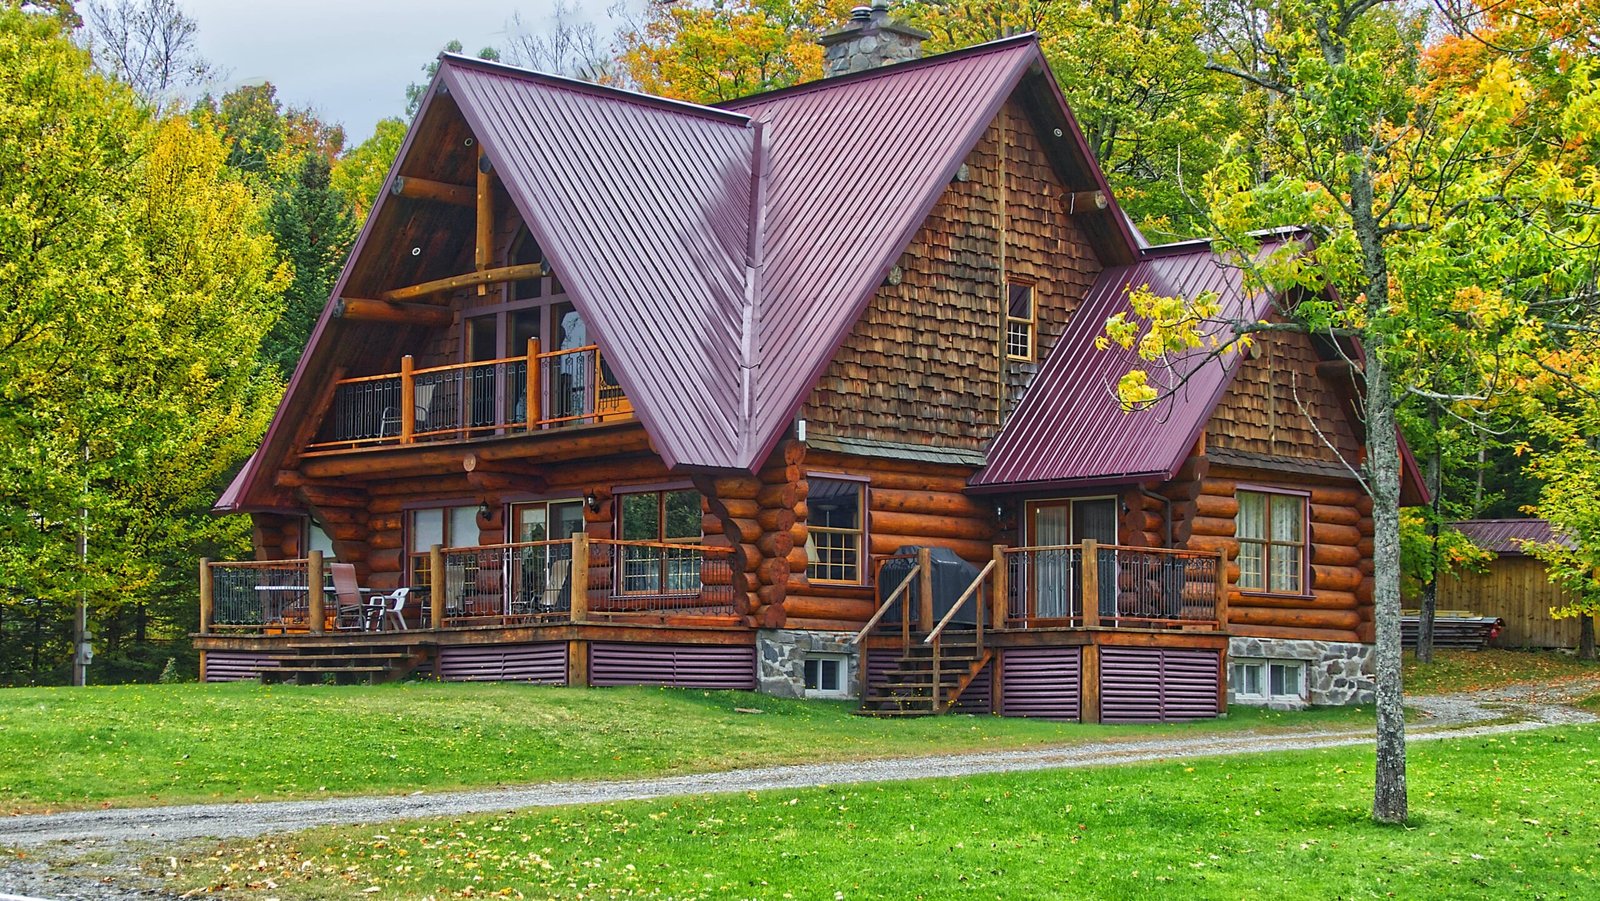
x=371, y=662
x=908, y=689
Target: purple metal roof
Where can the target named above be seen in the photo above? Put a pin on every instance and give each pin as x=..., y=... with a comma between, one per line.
x=720, y=256
x=643, y=208
x=1506, y=536
x=1071, y=429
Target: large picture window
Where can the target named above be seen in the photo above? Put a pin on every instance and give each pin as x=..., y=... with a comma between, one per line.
x=445, y=526
x=1271, y=528
x=834, y=533
x=660, y=519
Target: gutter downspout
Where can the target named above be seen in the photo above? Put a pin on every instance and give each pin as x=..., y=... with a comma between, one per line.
x=1166, y=510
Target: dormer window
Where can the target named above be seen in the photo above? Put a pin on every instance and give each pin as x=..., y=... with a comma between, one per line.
x=1021, y=319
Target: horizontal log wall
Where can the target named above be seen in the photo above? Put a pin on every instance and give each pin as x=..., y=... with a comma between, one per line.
x=908, y=503
x=923, y=365
x=1338, y=604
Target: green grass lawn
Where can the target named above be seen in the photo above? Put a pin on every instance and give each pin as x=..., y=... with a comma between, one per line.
x=1453, y=670
x=163, y=744
x=1515, y=816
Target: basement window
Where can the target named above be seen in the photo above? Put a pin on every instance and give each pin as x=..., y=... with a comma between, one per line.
x=825, y=676
x=1267, y=681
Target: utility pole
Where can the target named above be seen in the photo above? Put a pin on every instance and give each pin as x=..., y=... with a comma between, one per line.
x=82, y=650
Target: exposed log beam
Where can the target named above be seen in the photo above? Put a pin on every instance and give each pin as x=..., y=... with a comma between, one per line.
x=483, y=255
x=486, y=277
x=426, y=189
x=365, y=310
x=1086, y=202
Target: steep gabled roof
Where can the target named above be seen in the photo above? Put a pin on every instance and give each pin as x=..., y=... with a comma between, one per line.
x=1070, y=428
x=721, y=255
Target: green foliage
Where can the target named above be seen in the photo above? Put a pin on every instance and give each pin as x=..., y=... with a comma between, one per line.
x=140, y=283
x=312, y=224
x=171, y=744
x=360, y=173
x=1509, y=816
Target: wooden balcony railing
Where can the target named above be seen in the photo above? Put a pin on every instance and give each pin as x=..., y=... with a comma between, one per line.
x=467, y=400
x=573, y=580
x=1095, y=585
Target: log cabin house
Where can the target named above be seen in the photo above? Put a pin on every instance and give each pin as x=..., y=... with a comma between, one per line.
x=799, y=393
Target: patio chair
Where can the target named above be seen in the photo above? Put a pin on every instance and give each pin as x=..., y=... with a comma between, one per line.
x=557, y=584
x=348, y=609
x=388, y=608
x=391, y=422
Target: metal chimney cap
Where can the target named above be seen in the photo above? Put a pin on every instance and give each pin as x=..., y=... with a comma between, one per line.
x=861, y=13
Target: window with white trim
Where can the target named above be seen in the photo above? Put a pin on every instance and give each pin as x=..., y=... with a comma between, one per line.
x=445, y=526
x=825, y=676
x=1267, y=680
x=1271, y=528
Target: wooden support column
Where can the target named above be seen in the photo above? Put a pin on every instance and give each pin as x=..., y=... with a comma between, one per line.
x=1091, y=584
x=1089, y=684
x=317, y=600
x=1002, y=589
x=580, y=577
x=408, y=399
x=436, y=596
x=484, y=255
x=207, y=598
x=925, y=619
x=1222, y=591
x=578, y=663
x=534, y=414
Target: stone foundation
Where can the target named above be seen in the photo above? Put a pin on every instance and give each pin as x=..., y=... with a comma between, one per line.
x=1337, y=673
x=781, y=659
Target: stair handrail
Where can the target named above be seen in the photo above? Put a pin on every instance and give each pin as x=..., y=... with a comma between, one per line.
x=872, y=623
x=936, y=636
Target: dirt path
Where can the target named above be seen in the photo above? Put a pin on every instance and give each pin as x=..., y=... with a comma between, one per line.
x=1446, y=716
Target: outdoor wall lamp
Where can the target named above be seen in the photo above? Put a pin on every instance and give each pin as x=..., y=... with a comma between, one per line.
x=592, y=501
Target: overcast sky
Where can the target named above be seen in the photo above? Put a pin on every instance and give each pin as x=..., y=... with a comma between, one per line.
x=349, y=59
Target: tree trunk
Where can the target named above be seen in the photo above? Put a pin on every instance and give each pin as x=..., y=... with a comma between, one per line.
x=1383, y=473
x=1586, y=638
x=1430, y=590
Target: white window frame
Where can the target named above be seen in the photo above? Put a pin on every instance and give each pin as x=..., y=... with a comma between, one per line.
x=843, y=662
x=1266, y=666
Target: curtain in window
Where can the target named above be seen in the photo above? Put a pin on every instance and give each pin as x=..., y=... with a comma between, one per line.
x=1288, y=522
x=1251, y=528
x=1051, y=569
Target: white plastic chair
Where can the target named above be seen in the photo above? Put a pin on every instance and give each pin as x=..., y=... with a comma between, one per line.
x=386, y=608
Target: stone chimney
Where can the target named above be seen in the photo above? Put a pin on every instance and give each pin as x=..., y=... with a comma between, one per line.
x=869, y=40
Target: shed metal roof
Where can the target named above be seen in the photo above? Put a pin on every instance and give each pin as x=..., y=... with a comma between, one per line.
x=1507, y=536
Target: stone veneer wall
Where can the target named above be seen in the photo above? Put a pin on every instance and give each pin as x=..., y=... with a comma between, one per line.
x=1338, y=673
x=781, y=659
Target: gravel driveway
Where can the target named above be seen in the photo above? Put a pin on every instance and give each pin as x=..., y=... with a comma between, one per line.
x=1445, y=716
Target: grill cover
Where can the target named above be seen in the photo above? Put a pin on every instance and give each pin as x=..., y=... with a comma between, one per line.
x=951, y=577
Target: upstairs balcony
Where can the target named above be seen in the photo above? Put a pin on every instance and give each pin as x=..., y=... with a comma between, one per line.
x=519, y=395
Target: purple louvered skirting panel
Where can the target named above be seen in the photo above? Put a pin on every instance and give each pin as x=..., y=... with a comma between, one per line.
x=880, y=663
x=977, y=697
x=1041, y=682
x=1157, y=685
x=681, y=666
x=544, y=663
x=235, y=666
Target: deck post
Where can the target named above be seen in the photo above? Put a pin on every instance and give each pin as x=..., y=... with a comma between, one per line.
x=1001, y=589
x=534, y=413
x=1222, y=591
x=408, y=400
x=580, y=577
x=1091, y=583
x=436, y=596
x=925, y=620
x=207, y=595
x=1089, y=683
x=316, y=598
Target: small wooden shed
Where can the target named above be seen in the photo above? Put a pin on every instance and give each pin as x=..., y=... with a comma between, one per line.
x=1514, y=587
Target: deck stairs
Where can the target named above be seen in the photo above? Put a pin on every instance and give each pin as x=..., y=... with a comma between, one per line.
x=908, y=688
x=370, y=662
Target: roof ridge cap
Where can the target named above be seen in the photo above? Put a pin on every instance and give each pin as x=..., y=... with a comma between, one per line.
x=822, y=84
x=576, y=85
